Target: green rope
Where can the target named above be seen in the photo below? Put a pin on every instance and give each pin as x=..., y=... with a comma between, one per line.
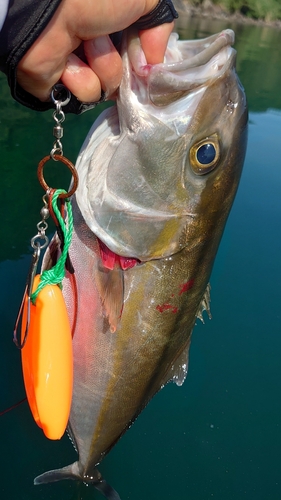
x=55, y=275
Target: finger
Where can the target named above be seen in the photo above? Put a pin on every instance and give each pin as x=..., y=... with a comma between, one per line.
x=154, y=42
x=103, y=71
x=105, y=61
x=80, y=79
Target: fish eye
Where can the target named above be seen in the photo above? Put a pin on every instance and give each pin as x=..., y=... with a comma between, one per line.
x=204, y=155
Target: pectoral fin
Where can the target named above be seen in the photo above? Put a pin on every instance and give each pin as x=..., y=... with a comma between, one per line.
x=110, y=284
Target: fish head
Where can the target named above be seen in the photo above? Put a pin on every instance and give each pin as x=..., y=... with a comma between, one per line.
x=161, y=170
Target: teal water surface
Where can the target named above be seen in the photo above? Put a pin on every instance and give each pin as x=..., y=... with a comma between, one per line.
x=219, y=435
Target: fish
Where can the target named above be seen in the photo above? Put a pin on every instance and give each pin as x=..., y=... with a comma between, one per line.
x=158, y=173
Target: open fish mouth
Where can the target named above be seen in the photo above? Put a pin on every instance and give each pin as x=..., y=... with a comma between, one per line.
x=188, y=64
x=136, y=192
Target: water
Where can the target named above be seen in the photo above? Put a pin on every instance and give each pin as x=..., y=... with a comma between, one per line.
x=219, y=436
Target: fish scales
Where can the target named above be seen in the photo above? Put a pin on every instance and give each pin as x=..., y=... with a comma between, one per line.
x=140, y=345
x=157, y=178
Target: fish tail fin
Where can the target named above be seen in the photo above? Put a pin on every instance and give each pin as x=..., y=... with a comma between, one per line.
x=68, y=472
x=106, y=490
x=72, y=472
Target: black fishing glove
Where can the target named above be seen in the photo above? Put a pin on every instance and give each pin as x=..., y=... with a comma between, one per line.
x=25, y=21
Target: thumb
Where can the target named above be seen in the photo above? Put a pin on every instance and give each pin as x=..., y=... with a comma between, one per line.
x=154, y=42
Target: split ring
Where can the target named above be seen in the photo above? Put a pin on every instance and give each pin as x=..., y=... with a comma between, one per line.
x=60, y=90
x=69, y=165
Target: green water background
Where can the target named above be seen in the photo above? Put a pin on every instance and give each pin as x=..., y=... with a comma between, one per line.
x=219, y=436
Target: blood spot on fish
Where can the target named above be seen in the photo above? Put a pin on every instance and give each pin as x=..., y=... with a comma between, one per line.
x=166, y=307
x=184, y=287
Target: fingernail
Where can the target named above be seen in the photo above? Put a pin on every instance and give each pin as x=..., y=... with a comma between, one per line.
x=102, y=44
x=72, y=64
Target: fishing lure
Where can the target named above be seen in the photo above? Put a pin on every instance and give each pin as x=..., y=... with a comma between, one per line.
x=45, y=339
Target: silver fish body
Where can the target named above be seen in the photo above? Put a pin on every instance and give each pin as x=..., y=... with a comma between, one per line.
x=157, y=178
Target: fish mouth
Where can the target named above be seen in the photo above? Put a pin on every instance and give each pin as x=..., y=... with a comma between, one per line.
x=195, y=63
x=136, y=202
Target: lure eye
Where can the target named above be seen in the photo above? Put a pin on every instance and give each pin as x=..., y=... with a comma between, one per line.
x=204, y=155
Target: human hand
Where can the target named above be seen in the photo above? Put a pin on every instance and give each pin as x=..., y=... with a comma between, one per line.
x=51, y=58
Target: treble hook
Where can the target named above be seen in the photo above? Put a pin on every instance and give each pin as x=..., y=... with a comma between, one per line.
x=26, y=295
